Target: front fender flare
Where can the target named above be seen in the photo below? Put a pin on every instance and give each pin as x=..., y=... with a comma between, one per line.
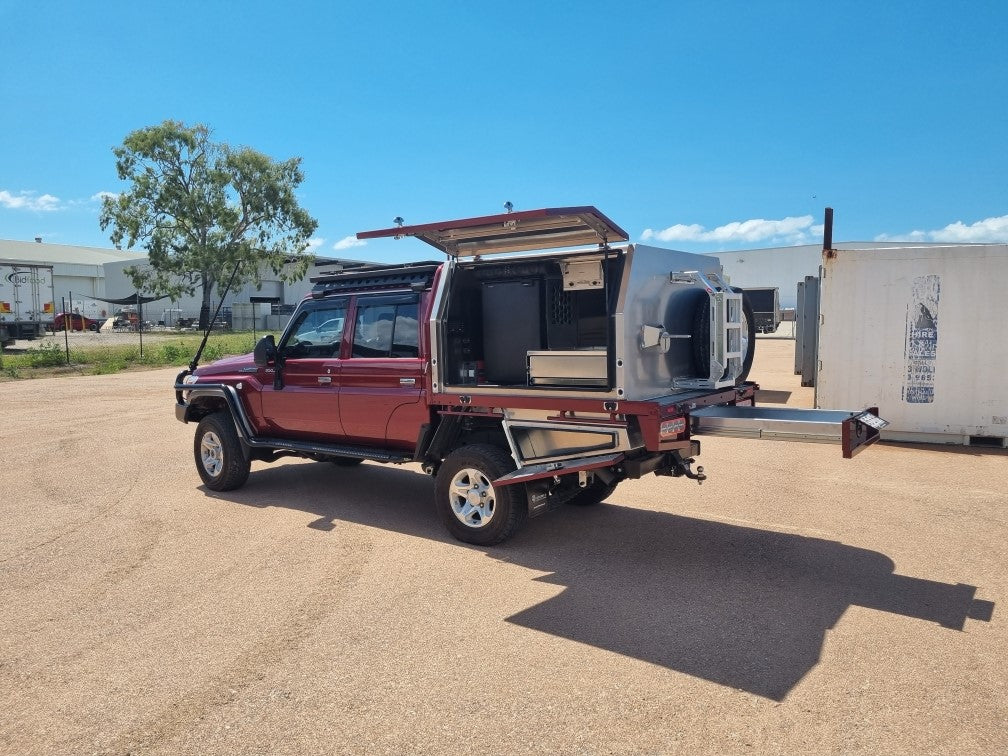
x=192, y=407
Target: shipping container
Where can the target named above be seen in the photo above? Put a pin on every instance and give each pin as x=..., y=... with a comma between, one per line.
x=765, y=305
x=918, y=332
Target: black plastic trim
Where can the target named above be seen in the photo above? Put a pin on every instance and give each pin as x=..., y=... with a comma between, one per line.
x=248, y=438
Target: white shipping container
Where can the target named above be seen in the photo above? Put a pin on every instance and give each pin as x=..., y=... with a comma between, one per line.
x=920, y=332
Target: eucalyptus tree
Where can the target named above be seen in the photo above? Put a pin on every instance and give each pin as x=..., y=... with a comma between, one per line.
x=205, y=211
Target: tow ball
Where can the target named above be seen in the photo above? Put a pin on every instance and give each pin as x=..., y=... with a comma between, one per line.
x=698, y=476
x=681, y=467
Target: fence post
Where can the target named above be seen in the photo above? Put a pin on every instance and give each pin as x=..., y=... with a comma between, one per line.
x=66, y=335
x=140, y=321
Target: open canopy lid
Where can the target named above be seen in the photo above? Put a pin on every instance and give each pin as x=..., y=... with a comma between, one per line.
x=520, y=231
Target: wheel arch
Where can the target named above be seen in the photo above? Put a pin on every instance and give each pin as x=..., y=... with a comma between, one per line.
x=202, y=406
x=204, y=400
x=454, y=431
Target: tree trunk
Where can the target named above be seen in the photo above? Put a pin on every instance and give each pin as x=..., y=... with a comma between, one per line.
x=204, y=313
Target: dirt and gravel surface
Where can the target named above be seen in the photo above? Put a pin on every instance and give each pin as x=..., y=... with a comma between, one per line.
x=796, y=602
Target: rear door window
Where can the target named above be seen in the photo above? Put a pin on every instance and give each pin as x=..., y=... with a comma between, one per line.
x=386, y=327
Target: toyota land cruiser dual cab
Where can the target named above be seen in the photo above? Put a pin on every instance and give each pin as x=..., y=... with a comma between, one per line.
x=521, y=373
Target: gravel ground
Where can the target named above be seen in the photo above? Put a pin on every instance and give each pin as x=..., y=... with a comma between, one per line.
x=796, y=602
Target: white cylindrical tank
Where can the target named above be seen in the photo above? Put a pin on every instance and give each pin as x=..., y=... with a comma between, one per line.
x=920, y=332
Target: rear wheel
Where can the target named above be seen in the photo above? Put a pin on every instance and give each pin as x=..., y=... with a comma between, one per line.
x=219, y=458
x=470, y=506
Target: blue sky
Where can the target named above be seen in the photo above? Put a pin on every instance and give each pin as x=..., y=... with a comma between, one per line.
x=699, y=126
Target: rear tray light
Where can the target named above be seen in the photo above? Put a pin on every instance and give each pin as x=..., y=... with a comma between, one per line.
x=672, y=427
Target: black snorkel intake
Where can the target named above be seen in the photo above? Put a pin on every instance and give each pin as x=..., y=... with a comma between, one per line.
x=199, y=352
x=206, y=335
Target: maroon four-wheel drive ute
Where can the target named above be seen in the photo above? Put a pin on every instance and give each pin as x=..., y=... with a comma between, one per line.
x=544, y=361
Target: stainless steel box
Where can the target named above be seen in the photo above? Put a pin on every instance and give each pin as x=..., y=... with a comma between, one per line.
x=581, y=367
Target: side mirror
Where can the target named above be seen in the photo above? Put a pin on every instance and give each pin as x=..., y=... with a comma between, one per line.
x=265, y=351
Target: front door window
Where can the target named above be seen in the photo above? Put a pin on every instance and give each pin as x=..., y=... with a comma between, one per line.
x=318, y=333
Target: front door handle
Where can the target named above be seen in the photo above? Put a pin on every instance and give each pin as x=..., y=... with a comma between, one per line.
x=325, y=379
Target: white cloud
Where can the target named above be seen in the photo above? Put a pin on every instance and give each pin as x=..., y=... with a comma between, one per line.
x=28, y=200
x=99, y=196
x=314, y=243
x=793, y=230
x=349, y=241
x=989, y=230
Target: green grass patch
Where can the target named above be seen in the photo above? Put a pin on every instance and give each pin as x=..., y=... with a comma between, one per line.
x=46, y=355
x=103, y=359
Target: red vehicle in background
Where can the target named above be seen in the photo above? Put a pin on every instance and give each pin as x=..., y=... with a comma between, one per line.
x=76, y=322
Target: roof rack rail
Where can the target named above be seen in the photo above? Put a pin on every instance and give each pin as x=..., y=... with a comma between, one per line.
x=374, y=277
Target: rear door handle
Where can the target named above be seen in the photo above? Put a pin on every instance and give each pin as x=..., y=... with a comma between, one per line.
x=325, y=379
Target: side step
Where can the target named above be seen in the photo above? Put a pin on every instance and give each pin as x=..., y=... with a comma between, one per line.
x=247, y=435
x=851, y=430
x=328, y=450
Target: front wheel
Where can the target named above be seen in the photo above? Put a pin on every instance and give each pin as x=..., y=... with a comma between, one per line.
x=471, y=507
x=219, y=458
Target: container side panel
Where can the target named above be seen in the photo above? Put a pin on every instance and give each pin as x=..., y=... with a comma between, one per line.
x=918, y=332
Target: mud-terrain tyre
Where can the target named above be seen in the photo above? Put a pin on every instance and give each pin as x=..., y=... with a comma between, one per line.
x=346, y=461
x=219, y=458
x=469, y=505
x=594, y=493
x=701, y=335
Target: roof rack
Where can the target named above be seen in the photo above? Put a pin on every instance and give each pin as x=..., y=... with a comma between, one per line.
x=375, y=277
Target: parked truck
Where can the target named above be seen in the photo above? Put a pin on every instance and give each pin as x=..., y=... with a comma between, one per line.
x=519, y=373
x=26, y=301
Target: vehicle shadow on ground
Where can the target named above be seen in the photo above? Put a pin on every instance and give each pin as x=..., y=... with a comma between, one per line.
x=740, y=606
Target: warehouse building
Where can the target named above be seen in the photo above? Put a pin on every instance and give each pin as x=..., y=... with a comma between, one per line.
x=93, y=281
